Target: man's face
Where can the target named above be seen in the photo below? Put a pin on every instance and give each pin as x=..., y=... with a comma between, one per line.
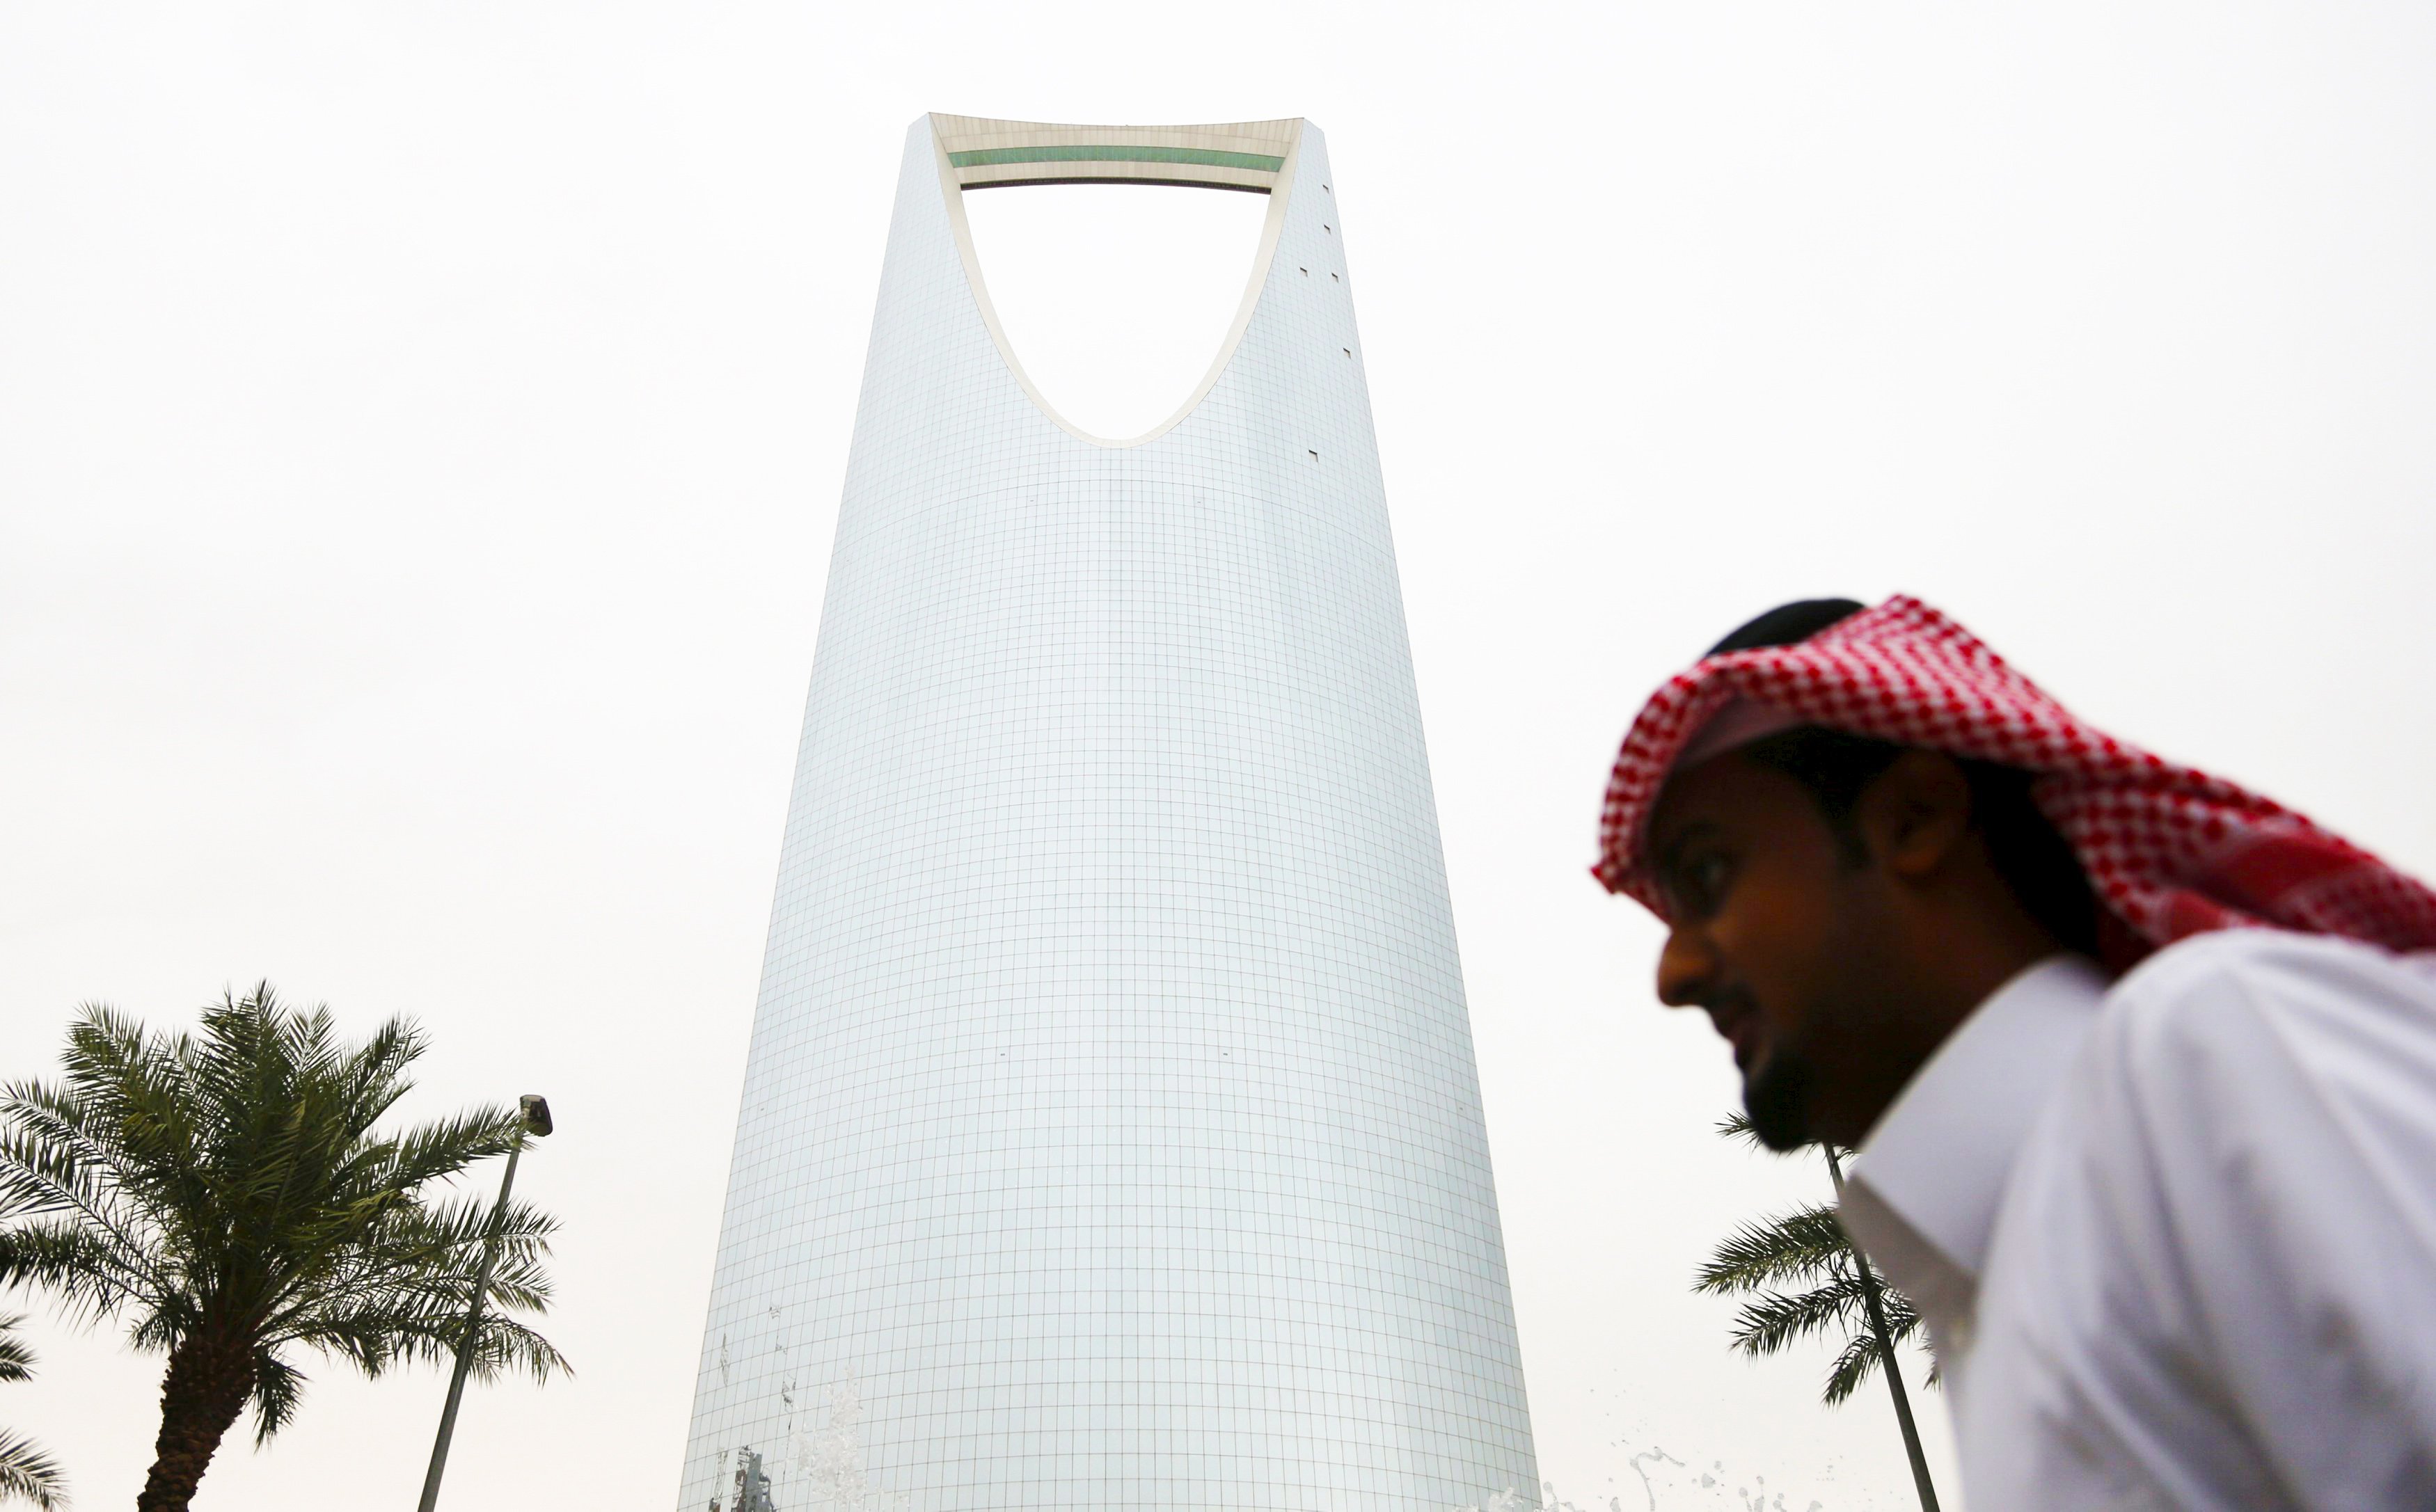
x=1778, y=933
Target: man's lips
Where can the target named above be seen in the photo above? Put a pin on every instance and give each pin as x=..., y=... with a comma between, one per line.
x=1738, y=1023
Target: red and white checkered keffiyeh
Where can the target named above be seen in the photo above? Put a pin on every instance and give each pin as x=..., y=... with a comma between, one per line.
x=2170, y=852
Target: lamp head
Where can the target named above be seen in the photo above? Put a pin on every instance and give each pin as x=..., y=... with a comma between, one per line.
x=535, y=1111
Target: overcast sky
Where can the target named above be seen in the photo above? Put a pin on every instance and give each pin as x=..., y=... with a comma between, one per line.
x=420, y=430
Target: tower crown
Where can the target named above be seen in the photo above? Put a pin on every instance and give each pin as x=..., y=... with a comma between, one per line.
x=987, y=155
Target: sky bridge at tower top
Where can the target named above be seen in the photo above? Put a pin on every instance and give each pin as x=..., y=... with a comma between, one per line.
x=1242, y=155
x=1119, y=319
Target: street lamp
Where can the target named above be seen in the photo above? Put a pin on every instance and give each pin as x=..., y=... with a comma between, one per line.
x=533, y=1119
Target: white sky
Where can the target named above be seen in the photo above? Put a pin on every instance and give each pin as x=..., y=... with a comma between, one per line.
x=1116, y=297
x=420, y=430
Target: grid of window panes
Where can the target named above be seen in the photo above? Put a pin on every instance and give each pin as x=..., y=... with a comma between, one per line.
x=1110, y=1137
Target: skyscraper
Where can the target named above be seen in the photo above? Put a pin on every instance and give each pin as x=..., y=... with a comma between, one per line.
x=1111, y=1135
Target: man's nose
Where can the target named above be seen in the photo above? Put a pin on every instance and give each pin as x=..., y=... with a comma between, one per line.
x=1685, y=967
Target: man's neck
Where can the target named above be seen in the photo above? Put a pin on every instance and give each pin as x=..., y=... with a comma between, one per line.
x=1953, y=970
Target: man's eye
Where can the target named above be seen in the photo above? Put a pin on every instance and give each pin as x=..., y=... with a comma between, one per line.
x=1700, y=882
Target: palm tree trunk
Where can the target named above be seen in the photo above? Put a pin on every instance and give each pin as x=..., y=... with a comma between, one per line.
x=1887, y=1353
x=201, y=1397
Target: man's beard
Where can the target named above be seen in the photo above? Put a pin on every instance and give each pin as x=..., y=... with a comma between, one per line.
x=1776, y=1098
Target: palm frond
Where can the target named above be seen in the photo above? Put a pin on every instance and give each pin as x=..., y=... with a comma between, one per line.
x=1854, y=1362
x=58, y=1157
x=1738, y=1126
x=88, y=1276
x=277, y=1387
x=1777, y=1319
x=16, y=1355
x=30, y=1474
x=1806, y=1244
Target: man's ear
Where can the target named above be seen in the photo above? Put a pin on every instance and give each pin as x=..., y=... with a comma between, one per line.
x=1916, y=814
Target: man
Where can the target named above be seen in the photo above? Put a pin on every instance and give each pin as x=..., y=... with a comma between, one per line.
x=2141, y=1070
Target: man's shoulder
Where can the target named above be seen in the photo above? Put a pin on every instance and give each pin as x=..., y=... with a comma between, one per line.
x=2170, y=1013
x=2222, y=961
x=2212, y=1262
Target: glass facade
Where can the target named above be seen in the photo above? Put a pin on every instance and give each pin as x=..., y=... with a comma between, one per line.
x=1110, y=1137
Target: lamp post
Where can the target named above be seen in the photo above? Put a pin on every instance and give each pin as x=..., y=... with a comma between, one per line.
x=1877, y=1311
x=533, y=1120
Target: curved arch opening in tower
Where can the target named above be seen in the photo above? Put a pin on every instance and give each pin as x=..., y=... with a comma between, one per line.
x=1115, y=297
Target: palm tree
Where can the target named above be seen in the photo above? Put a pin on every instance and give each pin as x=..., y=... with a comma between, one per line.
x=25, y=1470
x=1842, y=1294
x=226, y=1193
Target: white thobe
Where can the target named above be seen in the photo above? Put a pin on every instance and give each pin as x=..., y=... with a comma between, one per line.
x=2175, y=1239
